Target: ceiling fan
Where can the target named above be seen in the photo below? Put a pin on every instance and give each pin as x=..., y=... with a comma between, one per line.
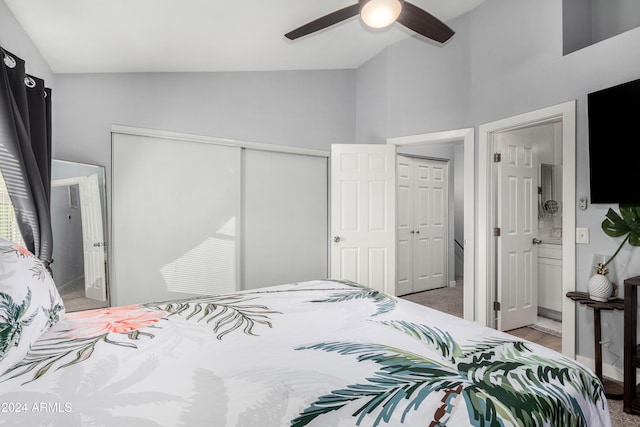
x=379, y=14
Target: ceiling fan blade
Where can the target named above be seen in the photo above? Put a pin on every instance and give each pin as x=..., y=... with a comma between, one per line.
x=324, y=22
x=424, y=23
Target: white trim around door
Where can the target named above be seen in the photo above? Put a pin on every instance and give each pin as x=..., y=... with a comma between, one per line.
x=566, y=114
x=467, y=135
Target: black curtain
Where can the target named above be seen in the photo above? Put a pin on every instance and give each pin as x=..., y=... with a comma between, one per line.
x=25, y=151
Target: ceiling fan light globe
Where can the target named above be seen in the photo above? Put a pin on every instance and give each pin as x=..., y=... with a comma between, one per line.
x=380, y=13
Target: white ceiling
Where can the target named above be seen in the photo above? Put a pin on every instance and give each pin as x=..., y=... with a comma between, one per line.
x=81, y=36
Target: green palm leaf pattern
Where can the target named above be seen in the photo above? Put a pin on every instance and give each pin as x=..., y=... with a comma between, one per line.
x=62, y=352
x=12, y=321
x=501, y=381
x=38, y=270
x=227, y=312
x=441, y=340
x=384, y=303
x=403, y=377
x=53, y=312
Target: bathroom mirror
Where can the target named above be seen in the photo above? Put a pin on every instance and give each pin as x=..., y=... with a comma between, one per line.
x=78, y=219
x=549, y=200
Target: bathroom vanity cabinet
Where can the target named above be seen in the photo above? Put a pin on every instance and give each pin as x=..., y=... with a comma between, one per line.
x=550, y=277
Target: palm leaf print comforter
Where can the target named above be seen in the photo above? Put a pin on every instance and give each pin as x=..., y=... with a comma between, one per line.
x=321, y=353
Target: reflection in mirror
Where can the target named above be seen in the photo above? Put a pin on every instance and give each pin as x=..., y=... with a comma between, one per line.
x=548, y=198
x=78, y=218
x=550, y=203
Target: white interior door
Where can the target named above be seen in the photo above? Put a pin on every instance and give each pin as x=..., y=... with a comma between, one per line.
x=422, y=224
x=405, y=213
x=92, y=239
x=517, y=255
x=431, y=224
x=363, y=214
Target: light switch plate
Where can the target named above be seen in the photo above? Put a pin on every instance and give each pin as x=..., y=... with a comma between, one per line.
x=582, y=235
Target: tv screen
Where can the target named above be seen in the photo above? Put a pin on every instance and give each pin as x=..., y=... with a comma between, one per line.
x=614, y=139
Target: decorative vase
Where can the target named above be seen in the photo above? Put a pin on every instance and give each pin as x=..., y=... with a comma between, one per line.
x=601, y=284
x=600, y=288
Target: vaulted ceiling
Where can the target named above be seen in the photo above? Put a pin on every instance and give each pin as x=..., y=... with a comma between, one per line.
x=80, y=36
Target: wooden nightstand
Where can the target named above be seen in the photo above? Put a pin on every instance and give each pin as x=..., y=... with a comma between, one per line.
x=631, y=402
x=612, y=389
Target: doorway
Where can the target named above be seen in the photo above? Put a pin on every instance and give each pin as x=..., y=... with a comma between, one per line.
x=528, y=215
x=467, y=205
x=487, y=277
x=422, y=206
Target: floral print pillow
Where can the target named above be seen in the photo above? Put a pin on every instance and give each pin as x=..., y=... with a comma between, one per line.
x=29, y=302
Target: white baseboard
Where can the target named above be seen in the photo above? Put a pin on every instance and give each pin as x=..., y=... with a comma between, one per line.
x=452, y=283
x=608, y=371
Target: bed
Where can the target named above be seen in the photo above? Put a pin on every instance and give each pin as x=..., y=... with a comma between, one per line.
x=318, y=353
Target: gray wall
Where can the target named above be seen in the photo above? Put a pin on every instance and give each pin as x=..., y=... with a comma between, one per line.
x=576, y=24
x=612, y=17
x=310, y=109
x=591, y=21
x=430, y=92
x=415, y=87
x=66, y=223
x=372, y=100
x=515, y=65
x=14, y=39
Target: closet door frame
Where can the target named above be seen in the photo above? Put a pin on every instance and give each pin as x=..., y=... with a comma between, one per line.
x=467, y=135
x=187, y=137
x=183, y=137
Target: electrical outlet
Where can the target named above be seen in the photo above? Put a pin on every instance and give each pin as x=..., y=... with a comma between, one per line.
x=582, y=236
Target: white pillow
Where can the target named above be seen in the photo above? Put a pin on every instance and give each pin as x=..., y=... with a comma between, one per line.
x=29, y=302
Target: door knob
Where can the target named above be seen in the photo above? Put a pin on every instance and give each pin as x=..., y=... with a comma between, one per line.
x=536, y=241
x=336, y=239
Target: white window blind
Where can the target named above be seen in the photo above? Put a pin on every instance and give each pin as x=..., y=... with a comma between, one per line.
x=8, y=224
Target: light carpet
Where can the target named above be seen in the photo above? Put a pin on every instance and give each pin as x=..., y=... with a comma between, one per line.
x=447, y=300
x=74, y=299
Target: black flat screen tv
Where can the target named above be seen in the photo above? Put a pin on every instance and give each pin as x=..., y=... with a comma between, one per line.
x=614, y=139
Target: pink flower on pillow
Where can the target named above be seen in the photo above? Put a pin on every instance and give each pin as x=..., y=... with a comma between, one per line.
x=120, y=320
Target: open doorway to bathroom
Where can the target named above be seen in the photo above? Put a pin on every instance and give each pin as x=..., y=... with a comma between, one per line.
x=495, y=305
x=527, y=222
